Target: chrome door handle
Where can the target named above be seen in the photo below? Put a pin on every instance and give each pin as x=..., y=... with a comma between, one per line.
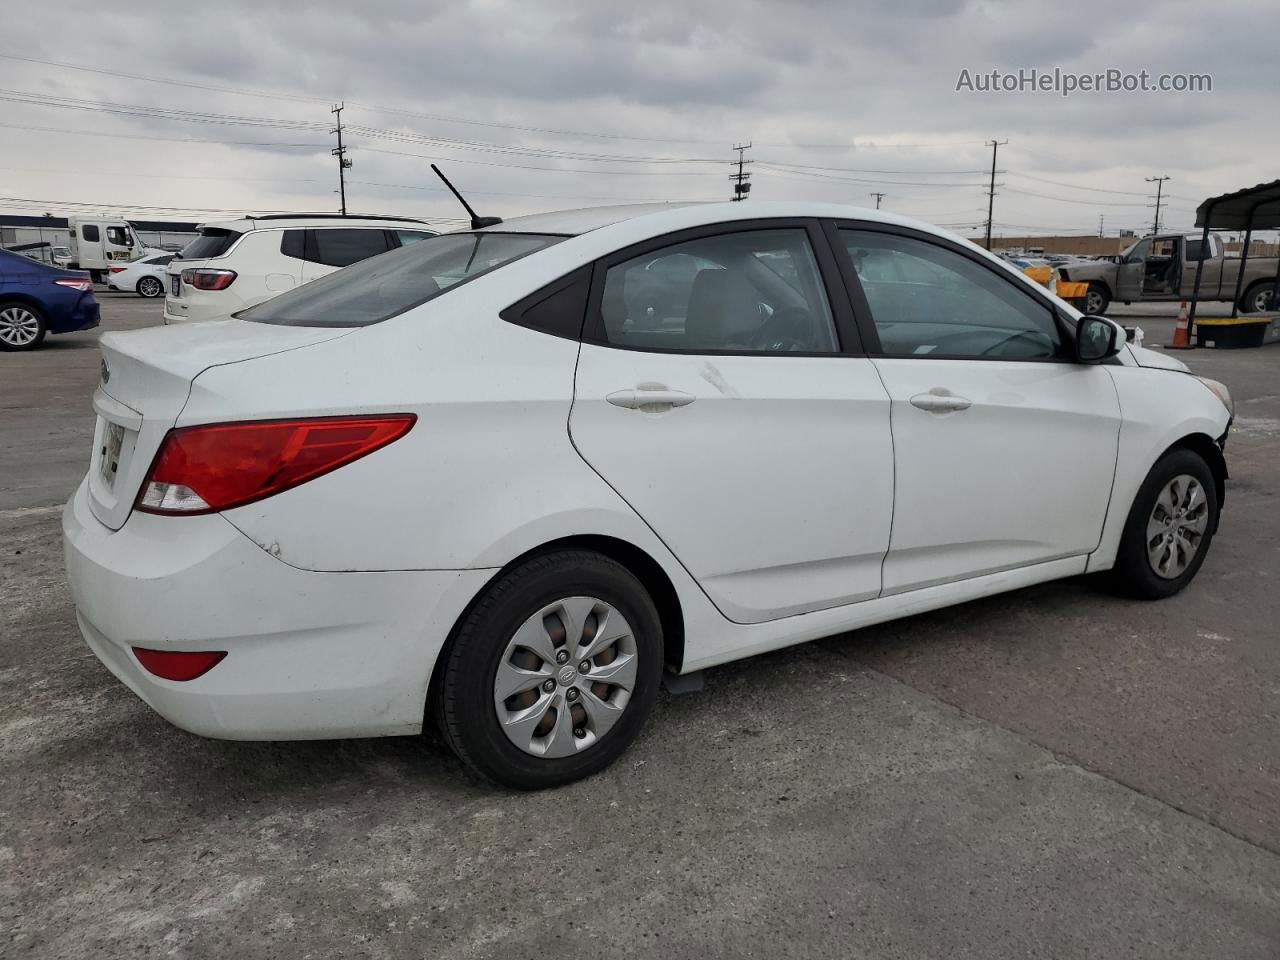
x=939, y=402
x=647, y=397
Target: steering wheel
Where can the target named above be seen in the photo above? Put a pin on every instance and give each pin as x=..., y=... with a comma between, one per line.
x=788, y=330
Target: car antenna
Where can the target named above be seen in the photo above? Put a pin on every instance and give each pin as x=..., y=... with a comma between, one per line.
x=476, y=221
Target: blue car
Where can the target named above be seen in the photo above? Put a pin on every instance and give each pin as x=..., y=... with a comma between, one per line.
x=36, y=299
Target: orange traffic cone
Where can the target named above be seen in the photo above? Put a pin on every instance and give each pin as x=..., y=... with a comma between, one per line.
x=1181, y=335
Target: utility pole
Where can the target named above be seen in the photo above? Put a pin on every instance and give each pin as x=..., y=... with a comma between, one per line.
x=742, y=185
x=341, y=153
x=995, y=145
x=879, y=197
x=1101, y=218
x=1159, y=182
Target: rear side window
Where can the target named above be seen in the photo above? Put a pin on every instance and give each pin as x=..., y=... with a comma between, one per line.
x=558, y=308
x=343, y=247
x=212, y=242
x=380, y=288
x=90, y=232
x=160, y=261
x=293, y=243
x=406, y=237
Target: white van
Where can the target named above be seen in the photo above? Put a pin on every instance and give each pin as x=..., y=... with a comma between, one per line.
x=238, y=263
x=98, y=243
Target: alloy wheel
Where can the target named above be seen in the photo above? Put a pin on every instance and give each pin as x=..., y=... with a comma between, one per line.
x=1177, y=526
x=150, y=287
x=19, y=327
x=565, y=677
x=1093, y=303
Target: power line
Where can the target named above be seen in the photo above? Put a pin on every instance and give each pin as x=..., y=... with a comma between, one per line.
x=139, y=136
x=379, y=133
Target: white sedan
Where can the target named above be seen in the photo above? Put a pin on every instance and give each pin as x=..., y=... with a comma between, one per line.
x=144, y=276
x=501, y=479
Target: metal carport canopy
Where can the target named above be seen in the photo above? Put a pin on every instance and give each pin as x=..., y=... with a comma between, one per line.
x=1248, y=209
x=1257, y=207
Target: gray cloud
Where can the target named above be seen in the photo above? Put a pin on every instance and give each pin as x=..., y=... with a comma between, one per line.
x=710, y=74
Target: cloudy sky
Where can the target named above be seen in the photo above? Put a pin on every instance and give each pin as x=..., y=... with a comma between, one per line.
x=544, y=104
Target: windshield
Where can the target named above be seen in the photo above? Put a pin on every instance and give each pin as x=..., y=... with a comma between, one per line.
x=381, y=287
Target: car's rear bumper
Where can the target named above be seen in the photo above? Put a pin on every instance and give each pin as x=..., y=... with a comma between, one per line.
x=309, y=655
x=85, y=315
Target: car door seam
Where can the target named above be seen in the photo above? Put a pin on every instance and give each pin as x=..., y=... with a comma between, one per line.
x=573, y=443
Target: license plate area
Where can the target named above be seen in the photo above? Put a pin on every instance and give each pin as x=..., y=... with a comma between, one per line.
x=175, y=285
x=109, y=453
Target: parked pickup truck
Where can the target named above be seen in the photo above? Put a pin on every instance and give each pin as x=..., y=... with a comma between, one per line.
x=1163, y=267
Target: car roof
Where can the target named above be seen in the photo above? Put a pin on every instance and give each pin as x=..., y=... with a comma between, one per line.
x=280, y=221
x=674, y=216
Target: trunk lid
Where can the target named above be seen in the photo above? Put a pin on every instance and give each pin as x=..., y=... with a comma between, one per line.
x=146, y=379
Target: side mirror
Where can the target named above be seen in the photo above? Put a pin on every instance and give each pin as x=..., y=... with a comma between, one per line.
x=1096, y=339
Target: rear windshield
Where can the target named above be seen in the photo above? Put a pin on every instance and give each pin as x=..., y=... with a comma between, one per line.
x=377, y=289
x=212, y=242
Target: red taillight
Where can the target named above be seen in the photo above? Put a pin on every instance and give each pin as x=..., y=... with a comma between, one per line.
x=75, y=283
x=208, y=279
x=117, y=269
x=224, y=465
x=178, y=664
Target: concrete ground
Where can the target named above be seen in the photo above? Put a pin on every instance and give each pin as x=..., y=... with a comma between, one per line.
x=1053, y=773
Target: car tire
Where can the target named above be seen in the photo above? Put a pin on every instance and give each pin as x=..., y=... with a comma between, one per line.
x=150, y=288
x=1153, y=533
x=22, y=326
x=1257, y=299
x=538, y=600
x=1096, y=300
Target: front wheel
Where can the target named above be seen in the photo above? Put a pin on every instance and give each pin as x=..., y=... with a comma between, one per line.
x=553, y=672
x=22, y=326
x=1170, y=526
x=150, y=287
x=1096, y=300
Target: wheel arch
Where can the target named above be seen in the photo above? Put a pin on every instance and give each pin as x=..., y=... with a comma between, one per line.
x=27, y=301
x=1211, y=451
x=638, y=561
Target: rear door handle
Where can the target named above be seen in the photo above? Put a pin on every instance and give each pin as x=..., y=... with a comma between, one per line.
x=649, y=397
x=939, y=402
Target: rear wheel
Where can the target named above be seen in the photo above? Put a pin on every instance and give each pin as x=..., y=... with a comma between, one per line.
x=1096, y=300
x=150, y=287
x=22, y=326
x=1170, y=527
x=553, y=672
x=1258, y=298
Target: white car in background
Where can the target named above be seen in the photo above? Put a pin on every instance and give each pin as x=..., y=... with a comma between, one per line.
x=239, y=263
x=501, y=479
x=145, y=277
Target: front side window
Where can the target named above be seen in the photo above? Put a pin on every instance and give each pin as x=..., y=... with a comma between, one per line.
x=382, y=287
x=927, y=300
x=118, y=235
x=343, y=247
x=757, y=291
